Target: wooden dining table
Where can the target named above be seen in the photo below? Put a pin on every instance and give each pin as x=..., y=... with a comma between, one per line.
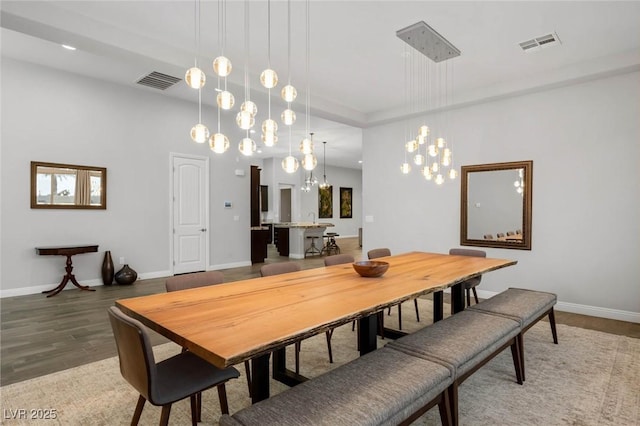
x=254, y=319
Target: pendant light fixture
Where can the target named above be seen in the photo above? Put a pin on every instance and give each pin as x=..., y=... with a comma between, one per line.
x=222, y=65
x=325, y=182
x=290, y=163
x=288, y=92
x=196, y=78
x=437, y=160
x=218, y=142
x=269, y=79
x=246, y=116
x=309, y=160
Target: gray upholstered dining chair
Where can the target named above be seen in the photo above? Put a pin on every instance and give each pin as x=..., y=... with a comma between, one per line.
x=382, y=252
x=472, y=283
x=197, y=279
x=201, y=279
x=283, y=268
x=338, y=259
x=182, y=376
x=278, y=268
x=488, y=237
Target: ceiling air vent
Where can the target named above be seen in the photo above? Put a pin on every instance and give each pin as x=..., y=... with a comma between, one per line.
x=157, y=80
x=540, y=42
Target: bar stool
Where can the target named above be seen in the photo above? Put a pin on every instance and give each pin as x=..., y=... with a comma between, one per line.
x=313, y=249
x=331, y=247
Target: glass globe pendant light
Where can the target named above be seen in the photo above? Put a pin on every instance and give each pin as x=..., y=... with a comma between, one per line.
x=418, y=159
x=269, y=125
x=269, y=138
x=199, y=133
x=288, y=117
x=195, y=78
x=222, y=66
x=225, y=100
x=245, y=120
x=426, y=172
x=309, y=162
x=411, y=146
x=439, y=179
x=250, y=107
x=306, y=145
x=247, y=146
x=405, y=168
x=290, y=164
x=453, y=173
x=269, y=78
x=289, y=93
x=219, y=143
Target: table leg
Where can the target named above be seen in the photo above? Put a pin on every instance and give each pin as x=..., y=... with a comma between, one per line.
x=67, y=277
x=438, y=306
x=457, y=298
x=260, y=378
x=367, y=331
x=280, y=371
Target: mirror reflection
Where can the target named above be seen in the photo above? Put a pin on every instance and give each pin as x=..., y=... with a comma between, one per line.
x=496, y=205
x=60, y=186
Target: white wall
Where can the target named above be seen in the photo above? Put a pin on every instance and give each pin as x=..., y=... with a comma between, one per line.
x=584, y=143
x=53, y=116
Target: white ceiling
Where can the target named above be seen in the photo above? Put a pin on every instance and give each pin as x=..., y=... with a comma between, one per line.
x=356, y=59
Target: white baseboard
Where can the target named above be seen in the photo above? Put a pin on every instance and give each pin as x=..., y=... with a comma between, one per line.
x=346, y=236
x=574, y=308
x=152, y=275
x=24, y=291
x=229, y=265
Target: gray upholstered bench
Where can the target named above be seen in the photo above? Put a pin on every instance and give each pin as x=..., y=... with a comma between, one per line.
x=384, y=387
x=527, y=307
x=463, y=343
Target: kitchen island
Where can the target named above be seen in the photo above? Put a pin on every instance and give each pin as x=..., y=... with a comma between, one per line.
x=298, y=232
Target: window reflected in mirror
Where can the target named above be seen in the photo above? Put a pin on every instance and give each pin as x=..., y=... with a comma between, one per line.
x=65, y=186
x=496, y=205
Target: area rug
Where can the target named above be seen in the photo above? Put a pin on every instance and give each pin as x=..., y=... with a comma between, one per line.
x=590, y=378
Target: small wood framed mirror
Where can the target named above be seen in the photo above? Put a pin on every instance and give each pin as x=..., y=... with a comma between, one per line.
x=68, y=186
x=495, y=206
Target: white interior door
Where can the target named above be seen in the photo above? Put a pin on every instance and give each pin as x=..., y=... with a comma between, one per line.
x=190, y=214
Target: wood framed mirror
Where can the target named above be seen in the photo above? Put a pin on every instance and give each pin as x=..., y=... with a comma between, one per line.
x=68, y=186
x=495, y=205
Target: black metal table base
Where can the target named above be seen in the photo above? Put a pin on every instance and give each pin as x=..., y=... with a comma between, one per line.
x=367, y=342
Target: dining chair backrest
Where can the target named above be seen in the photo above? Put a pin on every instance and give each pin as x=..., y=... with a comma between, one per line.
x=469, y=252
x=338, y=259
x=379, y=252
x=488, y=237
x=510, y=233
x=279, y=268
x=197, y=279
x=137, y=363
x=500, y=234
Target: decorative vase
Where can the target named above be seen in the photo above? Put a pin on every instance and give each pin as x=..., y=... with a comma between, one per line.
x=126, y=276
x=107, y=269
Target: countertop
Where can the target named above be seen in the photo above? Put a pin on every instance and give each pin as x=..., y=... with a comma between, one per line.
x=302, y=225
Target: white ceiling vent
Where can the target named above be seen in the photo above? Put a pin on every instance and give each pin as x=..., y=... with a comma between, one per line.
x=157, y=80
x=540, y=42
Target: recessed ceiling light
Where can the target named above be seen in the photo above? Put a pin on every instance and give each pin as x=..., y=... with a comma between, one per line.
x=252, y=131
x=359, y=161
x=66, y=46
x=259, y=151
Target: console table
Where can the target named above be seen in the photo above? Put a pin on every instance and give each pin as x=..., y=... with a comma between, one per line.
x=66, y=251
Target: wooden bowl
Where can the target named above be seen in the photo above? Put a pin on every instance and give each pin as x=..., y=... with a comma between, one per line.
x=371, y=268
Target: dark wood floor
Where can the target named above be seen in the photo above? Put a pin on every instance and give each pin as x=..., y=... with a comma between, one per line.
x=40, y=335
